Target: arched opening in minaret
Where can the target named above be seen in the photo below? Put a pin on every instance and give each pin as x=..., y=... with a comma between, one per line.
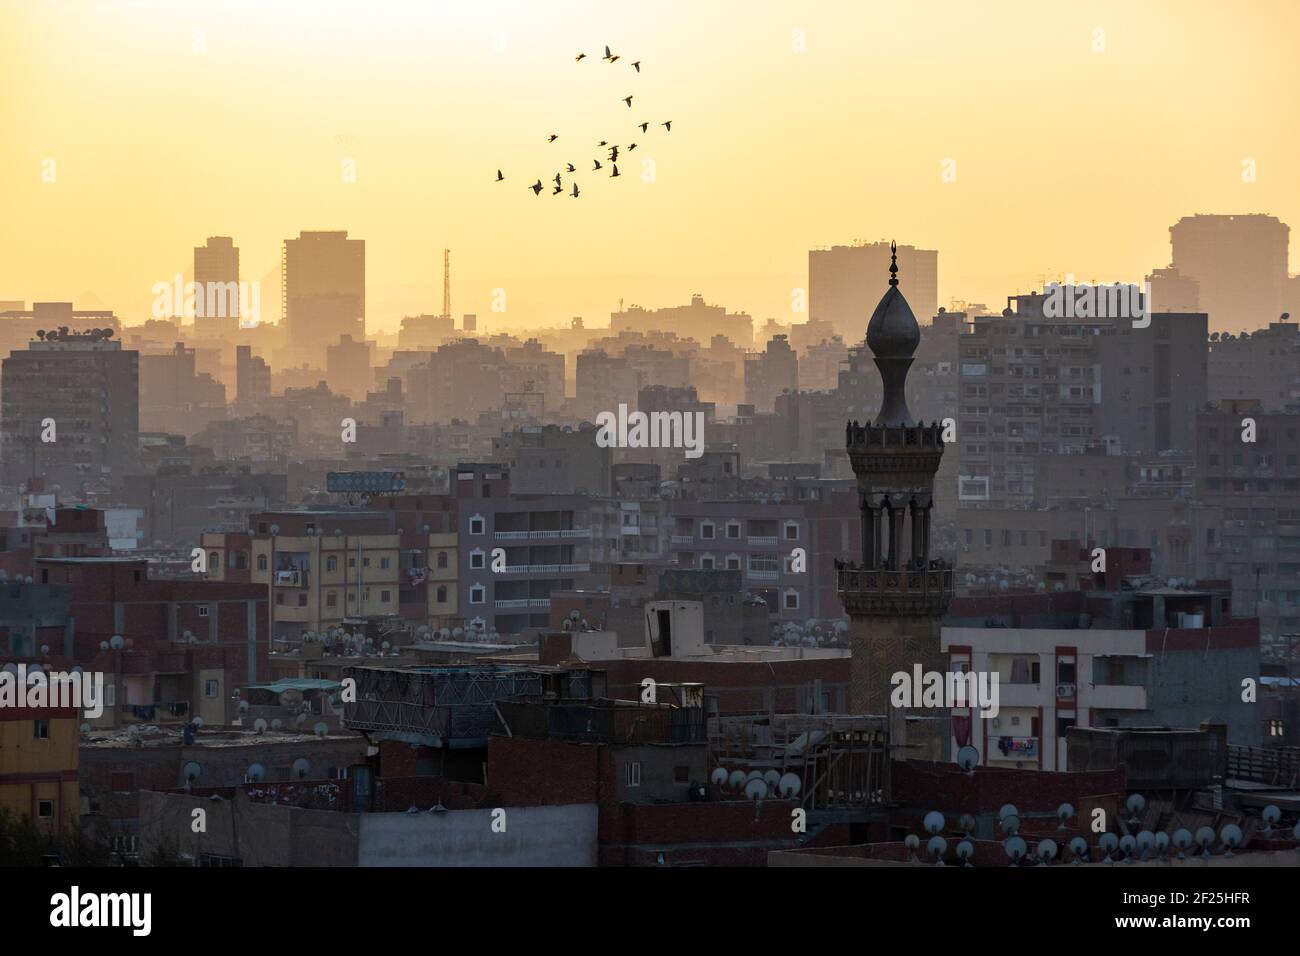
x=897, y=532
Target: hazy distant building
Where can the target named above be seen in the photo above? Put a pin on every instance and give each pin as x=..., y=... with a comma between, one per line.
x=1239, y=264
x=1263, y=365
x=252, y=376
x=770, y=373
x=70, y=409
x=843, y=283
x=697, y=321
x=176, y=398
x=216, y=267
x=603, y=382
x=347, y=366
x=1171, y=291
x=324, y=290
x=424, y=331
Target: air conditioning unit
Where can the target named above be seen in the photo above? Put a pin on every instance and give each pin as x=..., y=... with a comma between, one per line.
x=1065, y=691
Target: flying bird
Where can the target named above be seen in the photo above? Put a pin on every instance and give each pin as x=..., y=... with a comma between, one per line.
x=553, y=137
x=615, y=173
x=631, y=147
x=499, y=176
x=557, y=190
x=557, y=180
x=628, y=101
x=637, y=66
x=609, y=56
x=582, y=56
x=597, y=166
x=575, y=190
x=645, y=127
x=569, y=167
x=603, y=142
x=613, y=153
x=536, y=188
x=668, y=125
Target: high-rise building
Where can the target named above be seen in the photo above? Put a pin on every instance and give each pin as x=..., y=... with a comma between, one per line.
x=896, y=597
x=324, y=290
x=842, y=283
x=1239, y=264
x=70, y=408
x=252, y=376
x=770, y=373
x=216, y=268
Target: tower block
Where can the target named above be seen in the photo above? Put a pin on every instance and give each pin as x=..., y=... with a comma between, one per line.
x=896, y=596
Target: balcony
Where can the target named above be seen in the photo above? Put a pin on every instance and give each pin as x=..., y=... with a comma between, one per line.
x=762, y=575
x=295, y=578
x=768, y=540
x=545, y=568
x=683, y=539
x=1013, y=748
x=884, y=593
x=552, y=535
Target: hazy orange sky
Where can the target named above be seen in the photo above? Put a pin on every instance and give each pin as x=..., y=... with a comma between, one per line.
x=171, y=121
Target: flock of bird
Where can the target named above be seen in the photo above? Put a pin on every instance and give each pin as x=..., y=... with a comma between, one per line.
x=612, y=149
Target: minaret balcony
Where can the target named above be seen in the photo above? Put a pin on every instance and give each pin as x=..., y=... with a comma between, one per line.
x=907, y=593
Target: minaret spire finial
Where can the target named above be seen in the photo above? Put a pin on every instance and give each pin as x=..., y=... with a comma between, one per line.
x=893, y=262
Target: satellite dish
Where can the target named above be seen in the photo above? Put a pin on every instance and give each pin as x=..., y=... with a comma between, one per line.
x=1063, y=813
x=1145, y=841
x=243, y=706
x=1108, y=842
x=1136, y=803
x=259, y=725
x=756, y=789
x=913, y=843
x=85, y=728
x=790, y=785
x=1046, y=851
x=277, y=724
x=197, y=722
x=966, y=823
x=193, y=771
x=719, y=776
x=937, y=847
x=103, y=645
x=45, y=648
x=1205, y=838
x=1078, y=848
x=300, y=768
x=1182, y=840
x=965, y=850
x=1008, y=810
x=1271, y=815
x=1162, y=842
x=933, y=822
x=1230, y=836
x=773, y=780
x=321, y=729
x=1127, y=844
x=1016, y=848
x=256, y=772
x=968, y=758
x=737, y=780
x=1010, y=825
x=116, y=642
x=275, y=529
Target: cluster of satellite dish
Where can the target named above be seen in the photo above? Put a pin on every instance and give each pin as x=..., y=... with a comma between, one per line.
x=810, y=633
x=63, y=333
x=18, y=579
x=757, y=785
x=1145, y=845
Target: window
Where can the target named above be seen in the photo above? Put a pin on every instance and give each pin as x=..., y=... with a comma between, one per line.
x=332, y=599
x=791, y=531
x=302, y=598
x=214, y=559
x=203, y=610
x=442, y=594
x=261, y=562
x=707, y=562
x=682, y=773
x=476, y=594
x=733, y=530
x=988, y=537
x=385, y=597
x=332, y=563
x=791, y=602
x=633, y=773
x=45, y=809
x=733, y=562
x=706, y=530
x=442, y=559
x=384, y=563
x=477, y=560
x=40, y=730
x=476, y=524
x=365, y=562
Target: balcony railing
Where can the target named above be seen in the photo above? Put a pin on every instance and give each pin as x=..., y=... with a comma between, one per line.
x=762, y=539
x=544, y=568
x=291, y=579
x=543, y=535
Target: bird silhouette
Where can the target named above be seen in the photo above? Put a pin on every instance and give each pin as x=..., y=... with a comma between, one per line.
x=536, y=188
x=613, y=59
x=637, y=66
x=609, y=56
x=569, y=167
x=613, y=153
x=631, y=146
x=645, y=127
x=575, y=190
x=557, y=190
x=553, y=137
x=580, y=57
x=597, y=166
x=628, y=101
x=499, y=176
x=615, y=172
x=557, y=180
x=668, y=125
x=603, y=142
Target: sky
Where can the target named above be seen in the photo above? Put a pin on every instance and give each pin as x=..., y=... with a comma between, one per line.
x=1012, y=136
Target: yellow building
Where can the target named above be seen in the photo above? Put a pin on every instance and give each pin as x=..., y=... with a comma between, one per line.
x=38, y=766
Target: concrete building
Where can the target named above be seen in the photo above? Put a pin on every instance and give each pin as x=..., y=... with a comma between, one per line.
x=252, y=377
x=698, y=320
x=324, y=291
x=770, y=373
x=38, y=774
x=70, y=409
x=1239, y=264
x=1263, y=365
x=216, y=266
x=842, y=283
x=174, y=396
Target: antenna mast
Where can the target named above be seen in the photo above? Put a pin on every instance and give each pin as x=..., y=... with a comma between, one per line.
x=446, y=283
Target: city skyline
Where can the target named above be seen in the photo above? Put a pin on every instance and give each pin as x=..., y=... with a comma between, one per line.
x=753, y=158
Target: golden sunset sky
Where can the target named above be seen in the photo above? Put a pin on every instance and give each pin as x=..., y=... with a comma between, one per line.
x=171, y=121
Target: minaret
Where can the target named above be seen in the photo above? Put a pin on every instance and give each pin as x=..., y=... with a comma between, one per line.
x=896, y=596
